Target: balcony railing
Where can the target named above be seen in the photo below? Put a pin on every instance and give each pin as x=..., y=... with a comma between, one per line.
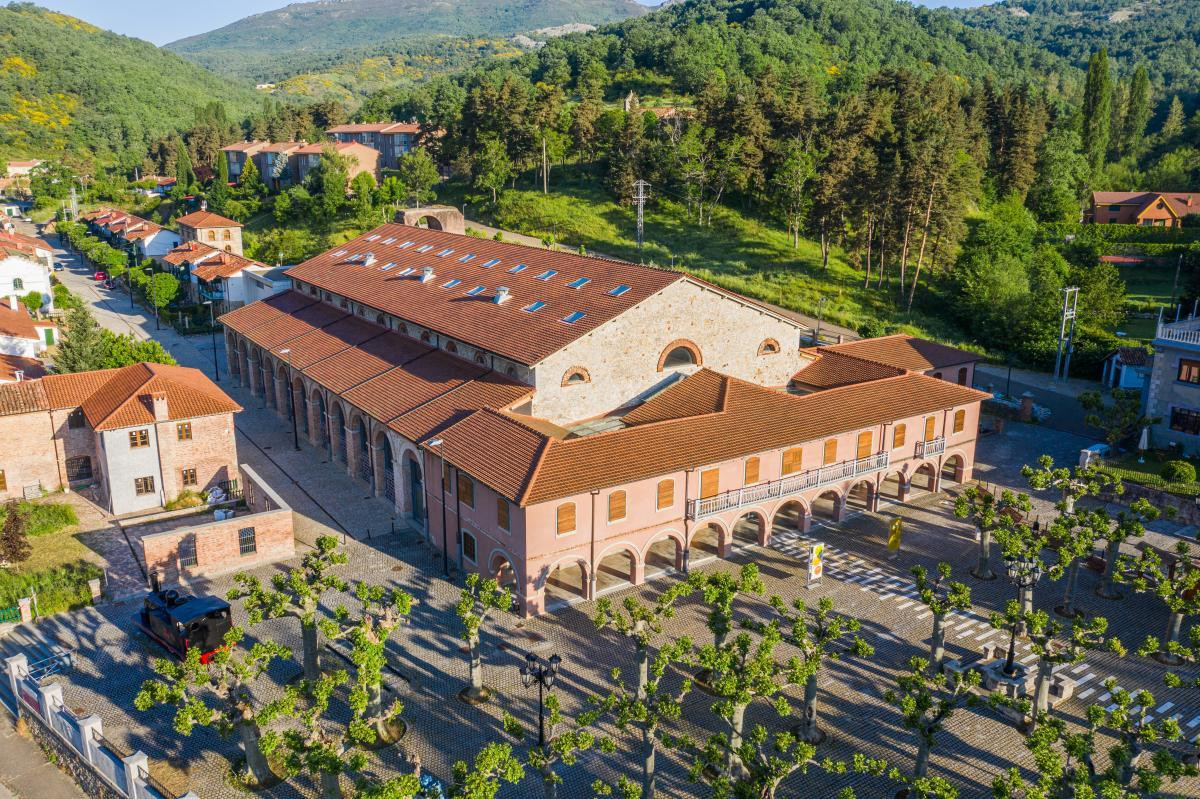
x=792, y=484
x=1172, y=333
x=934, y=446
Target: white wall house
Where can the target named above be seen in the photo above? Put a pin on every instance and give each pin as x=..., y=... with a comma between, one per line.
x=22, y=335
x=20, y=275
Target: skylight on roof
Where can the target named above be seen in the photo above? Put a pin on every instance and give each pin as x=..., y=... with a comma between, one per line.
x=406, y=245
x=444, y=253
x=619, y=290
x=573, y=317
x=339, y=253
x=408, y=270
x=386, y=267
x=517, y=268
x=390, y=240
x=549, y=273
x=579, y=282
x=467, y=257
x=425, y=248
x=451, y=283
x=534, y=306
x=490, y=264
x=474, y=291
x=373, y=237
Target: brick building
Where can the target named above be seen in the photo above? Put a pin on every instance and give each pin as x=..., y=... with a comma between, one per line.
x=391, y=139
x=565, y=422
x=1148, y=208
x=139, y=435
x=214, y=230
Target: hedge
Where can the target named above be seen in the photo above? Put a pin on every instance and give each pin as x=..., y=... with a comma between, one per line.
x=1109, y=234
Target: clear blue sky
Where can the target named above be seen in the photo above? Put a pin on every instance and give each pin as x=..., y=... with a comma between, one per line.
x=162, y=21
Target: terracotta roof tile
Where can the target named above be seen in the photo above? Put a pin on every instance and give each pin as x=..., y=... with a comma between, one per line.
x=70, y=390
x=905, y=352
x=327, y=341
x=833, y=369
x=30, y=368
x=287, y=326
x=406, y=388
x=201, y=219
x=703, y=393
x=223, y=264
x=376, y=127
x=491, y=390
x=370, y=359
x=17, y=324
x=507, y=329
x=530, y=467
x=123, y=400
x=28, y=396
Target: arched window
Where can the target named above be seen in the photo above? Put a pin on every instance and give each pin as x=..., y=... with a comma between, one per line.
x=768, y=347
x=425, y=336
x=18, y=284
x=228, y=248
x=565, y=515
x=962, y=376
x=898, y=437
x=960, y=420
x=679, y=354
x=576, y=376
x=381, y=320
x=451, y=346
x=616, y=506
x=227, y=235
x=480, y=358
x=212, y=235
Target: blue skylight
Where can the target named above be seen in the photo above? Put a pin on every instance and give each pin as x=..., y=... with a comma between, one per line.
x=534, y=306
x=619, y=290
x=549, y=273
x=425, y=248
x=517, y=268
x=474, y=291
x=573, y=317
x=490, y=264
x=467, y=257
x=406, y=245
x=444, y=253
x=405, y=271
x=388, y=266
x=579, y=282
x=449, y=284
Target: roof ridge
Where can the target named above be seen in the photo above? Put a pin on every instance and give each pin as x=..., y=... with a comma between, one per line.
x=531, y=479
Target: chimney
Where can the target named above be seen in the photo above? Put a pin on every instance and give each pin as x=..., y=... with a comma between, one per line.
x=368, y=259
x=19, y=375
x=426, y=274
x=12, y=302
x=159, y=400
x=501, y=295
x=1189, y=201
x=204, y=205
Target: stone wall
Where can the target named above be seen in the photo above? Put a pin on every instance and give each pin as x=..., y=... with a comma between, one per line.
x=1186, y=509
x=70, y=761
x=29, y=453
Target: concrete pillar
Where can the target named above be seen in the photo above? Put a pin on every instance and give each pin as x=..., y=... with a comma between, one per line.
x=94, y=588
x=873, y=498
x=253, y=373
x=639, y=572
x=902, y=486
x=89, y=728
x=839, y=509
x=134, y=765
x=805, y=520
x=25, y=605
x=50, y=699
x=1027, y=407
x=281, y=396
x=16, y=667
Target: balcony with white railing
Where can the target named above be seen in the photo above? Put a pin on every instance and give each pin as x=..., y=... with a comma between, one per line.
x=1185, y=332
x=787, y=486
x=934, y=446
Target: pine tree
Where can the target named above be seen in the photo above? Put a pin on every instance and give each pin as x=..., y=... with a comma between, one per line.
x=184, y=175
x=218, y=191
x=1097, y=109
x=80, y=350
x=14, y=536
x=1137, y=112
x=1173, y=125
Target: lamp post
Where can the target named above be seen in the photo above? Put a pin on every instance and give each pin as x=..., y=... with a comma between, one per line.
x=287, y=353
x=212, y=322
x=437, y=442
x=1024, y=574
x=544, y=674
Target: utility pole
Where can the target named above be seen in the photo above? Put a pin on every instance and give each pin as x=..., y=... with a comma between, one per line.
x=1175, y=285
x=1066, y=332
x=74, y=205
x=639, y=198
x=545, y=168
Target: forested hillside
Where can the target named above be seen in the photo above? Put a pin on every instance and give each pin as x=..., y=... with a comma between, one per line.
x=66, y=85
x=311, y=37
x=1163, y=35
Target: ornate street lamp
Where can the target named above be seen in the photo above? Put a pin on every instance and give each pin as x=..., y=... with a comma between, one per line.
x=1024, y=574
x=544, y=674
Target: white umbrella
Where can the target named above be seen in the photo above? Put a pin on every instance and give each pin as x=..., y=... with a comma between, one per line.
x=1143, y=444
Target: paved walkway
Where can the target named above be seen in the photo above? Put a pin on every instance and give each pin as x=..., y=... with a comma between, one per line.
x=25, y=773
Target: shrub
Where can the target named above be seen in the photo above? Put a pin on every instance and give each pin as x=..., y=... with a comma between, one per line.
x=186, y=499
x=45, y=518
x=1178, y=472
x=61, y=588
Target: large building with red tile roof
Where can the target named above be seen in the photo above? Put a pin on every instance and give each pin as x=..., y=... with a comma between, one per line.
x=359, y=158
x=213, y=230
x=392, y=140
x=1147, y=208
x=562, y=421
x=138, y=436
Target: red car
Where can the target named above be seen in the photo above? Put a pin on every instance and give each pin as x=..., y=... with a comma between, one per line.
x=99, y=276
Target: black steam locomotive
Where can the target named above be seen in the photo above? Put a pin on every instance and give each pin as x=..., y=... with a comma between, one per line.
x=182, y=622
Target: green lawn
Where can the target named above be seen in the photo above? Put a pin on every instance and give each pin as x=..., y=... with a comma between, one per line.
x=1148, y=474
x=736, y=251
x=1149, y=284
x=59, y=566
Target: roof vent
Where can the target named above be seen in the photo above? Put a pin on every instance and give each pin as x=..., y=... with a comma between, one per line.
x=19, y=375
x=501, y=295
x=368, y=259
x=426, y=274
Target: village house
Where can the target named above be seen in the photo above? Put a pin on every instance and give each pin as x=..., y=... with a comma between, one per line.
x=138, y=436
x=573, y=424
x=21, y=334
x=237, y=154
x=1148, y=208
x=214, y=230
x=138, y=237
x=211, y=275
x=391, y=139
x=271, y=161
x=359, y=158
x=21, y=275
x=28, y=246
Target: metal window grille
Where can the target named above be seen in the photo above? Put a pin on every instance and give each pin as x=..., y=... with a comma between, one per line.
x=247, y=542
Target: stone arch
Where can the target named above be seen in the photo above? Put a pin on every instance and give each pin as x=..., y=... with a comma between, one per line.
x=299, y=405
x=861, y=495
x=231, y=355
x=792, y=516
x=678, y=354
x=894, y=486
x=567, y=579
x=360, y=449
x=414, y=486
x=710, y=540
x=243, y=356
x=953, y=469
x=663, y=552
x=576, y=376
x=319, y=424
x=385, y=468
x=434, y=217
x=768, y=346
x=500, y=566
x=828, y=506
x=337, y=432
x=750, y=530
x=618, y=566
x=924, y=478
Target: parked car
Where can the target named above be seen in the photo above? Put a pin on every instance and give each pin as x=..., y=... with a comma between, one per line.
x=108, y=283
x=59, y=266
x=99, y=276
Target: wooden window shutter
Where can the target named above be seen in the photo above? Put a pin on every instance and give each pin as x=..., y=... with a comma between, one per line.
x=710, y=483
x=864, y=444
x=898, y=437
x=930, y=423
x=960, y=420
x=830, y=455
x=751, y=471
x=666, y=493
x=502, y=518
x=566, y=518
x=616, y=506
x=466, y=490
x=792, y=460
